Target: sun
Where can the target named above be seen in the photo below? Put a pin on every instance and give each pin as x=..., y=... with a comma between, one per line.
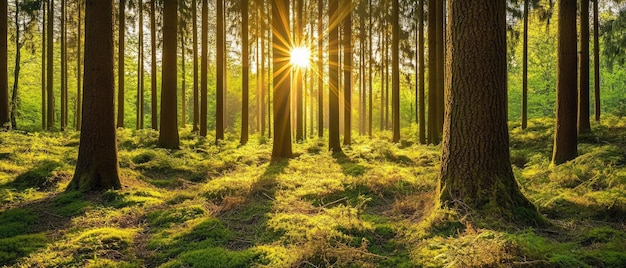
x=300, y=57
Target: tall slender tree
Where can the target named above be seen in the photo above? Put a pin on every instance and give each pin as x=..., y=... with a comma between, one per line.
x=4, y=78
x=320, y=69
x=153, y=70
x=347, y=72
x=204, y=68
x=440, y=50
x=244, y=72
x=525, y=68
x=476, y=172
x=422, y=101
x=168, y=136
x=50, y=67
x=333, y=73
x=120, y=63
x=196, y=97
x=183, y=75
x=97, y=165
x=565, y=135
x=43, y=64
x=64, y=98
x=220, y=88
x=298, y=71
x=395, y=65
x=584, y=125
x=370, y=64
x=79, y=64
x=433, y=134
x=596, y=60
x=280, y=48
x=140, y=72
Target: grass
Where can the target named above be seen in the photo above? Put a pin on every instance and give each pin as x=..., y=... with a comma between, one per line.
x=225, y=205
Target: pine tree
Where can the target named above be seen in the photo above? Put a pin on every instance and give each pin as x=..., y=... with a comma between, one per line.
x=120, y=63
x=168, y=136
x=282, y=113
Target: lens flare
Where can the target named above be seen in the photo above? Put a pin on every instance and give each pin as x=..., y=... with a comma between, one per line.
x=300, y=57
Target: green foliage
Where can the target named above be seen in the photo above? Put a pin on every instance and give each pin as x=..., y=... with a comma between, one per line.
x=15, y=222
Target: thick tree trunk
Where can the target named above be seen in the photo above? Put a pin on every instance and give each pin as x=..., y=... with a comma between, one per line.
x=333, y=73
x=282, y=112
x=220, y=88
x=244, y=73
x=565, y=135
x=97, y=165
x=4, y=77
x=395, y=65
x=596, y=60
x=50, y=70
x=584, y=125
x=347, y=73
x=320, y=69
x=153, y=75
x=168, y=137
x=440, y=25
x=120, y=64
x=525, y=68
x=204, y=68
x=422, y=101
x=475, y=167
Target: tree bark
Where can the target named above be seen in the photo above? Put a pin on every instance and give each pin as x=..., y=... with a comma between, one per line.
x=333, y=73
x=422, y=101
x=97, y=165
x=347, y=73
x=79, y=63
x=584, y=125
x=282, y=112
x=440, y=25
x=565, y=134
x=140, y=76
x=16, y=72
x=298, y=76
x=204, y=68
x=244, y=73
x=168, y=137
x=475, y=167
x=395, y=72
x=43, y=65
x=63, y=67
x=370, y=79
x=433, y=133
x=196, y=98
x=153, y=75
x=219, y=114
x=525, y=68
x=596, y=61
x=4, y=77
x=120, y=64
x=320, y=69
x=50, y=70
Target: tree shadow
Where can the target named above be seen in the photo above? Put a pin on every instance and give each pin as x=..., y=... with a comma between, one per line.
x=41, y=177
x=348, y=165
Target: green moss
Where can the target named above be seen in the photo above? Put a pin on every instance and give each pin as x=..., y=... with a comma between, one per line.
x=16, y=222
x=70, y=204
x=214, y=257
x=42, y=176
x=13, y=248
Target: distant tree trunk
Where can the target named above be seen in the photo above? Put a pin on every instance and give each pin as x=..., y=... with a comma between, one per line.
x=525, y=68
x=433, y=133
x=370, y=79
x=97, y=165
x=153, y=76
x=183, y=76
x=79, y=88
x=333, y=69
x=204, y=68
x=282, y=112
x=565, y=135
x=347, y=73
x=219, y=114
x=270, y=78
x=422, y=101
x=596, y=61
x=16, y=71
x=298, y=76
x=583, y=101
x=263, y=85
x=168, y=137
x=381, y=45
x=440, y=25
x=196, y=108
x=362, y=71
x=244, y=72
x=476, y=172
x=4, y=77
x=50, y=70
x=140, y=87
x=320, y=69
x=395, y=65
x=120, y=64
x=63, y=67
x=43, y=65
x=257, y=57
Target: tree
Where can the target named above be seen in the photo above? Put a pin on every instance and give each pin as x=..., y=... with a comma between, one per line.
x=64, y=103
x=219, y=114
x=320, y=69
x=79, y=64
x=565, y=134
x=168, y=135
x=525, y=68
x=4, y=82
x=120, y=63
x=370, y=63
x=244, y=72
x=43, y=65
x=475, y=167
x=97, y=165
x=140, y=88
x=153, y=71
x=204, y=68
x=299, y=118
x=422, y=102
x=395, y=72
x=282, y=84
x=196, y=108
x=50, y=67
x=333, y=73
x=583, y=78
x=347, y=73
x=596, y=60
x=433, y=134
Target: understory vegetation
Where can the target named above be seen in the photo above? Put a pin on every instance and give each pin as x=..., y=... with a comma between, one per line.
x=225, y=205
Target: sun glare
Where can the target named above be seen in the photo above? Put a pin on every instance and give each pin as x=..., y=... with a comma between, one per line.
x=300, y=57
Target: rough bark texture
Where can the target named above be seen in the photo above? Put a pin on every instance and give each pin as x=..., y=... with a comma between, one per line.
x=282, y=84
x=440, y=25
x=50, y=67
x=422, y=101
x=433, y=133
x=347, y=73
x=596, y=60
x=475, y=167
x=395, y=71
x=244, y=72
x=153, y=71
x=204, y=68
x=97, y=166
x=584, y=125
x=120, y=64
x=4, y=82
x=168, y=136
x=79, y=65
x=565, y=135
x=219, y=114
x=525, y=68
x=333, y=74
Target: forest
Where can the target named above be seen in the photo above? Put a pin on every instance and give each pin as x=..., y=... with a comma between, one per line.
x=322, y=133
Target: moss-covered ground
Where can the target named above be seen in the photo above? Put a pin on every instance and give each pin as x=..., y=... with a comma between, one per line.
x=225, y=205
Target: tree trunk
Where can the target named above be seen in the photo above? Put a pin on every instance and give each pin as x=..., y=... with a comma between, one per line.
x=196, y=98
x=433, y=133
x=16, y=71
x=244, y=72
x=140, y=87
x=204, y=68
x=50, y=74
x=525, y=68
x=79, y=88
x=347, y=73
x=63, y=67
x=596, y=61
x=370, y=79
x=440, y=25
x=263, y=61
x=565, y=135
x=583, y=83
x=320, y=69
x=4, y=77
x=153, y=76
x=43, y=65
x=298, y=75
x=422, y=101
x=219, y=114
x=183, y=77
x=282, y=112
x=395, y=65
x=475, y=167
x=168, y=137
x=120, y=64
x=97, y=165
x=333, y=69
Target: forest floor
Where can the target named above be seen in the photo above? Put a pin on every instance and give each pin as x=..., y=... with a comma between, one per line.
x=226, y=205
